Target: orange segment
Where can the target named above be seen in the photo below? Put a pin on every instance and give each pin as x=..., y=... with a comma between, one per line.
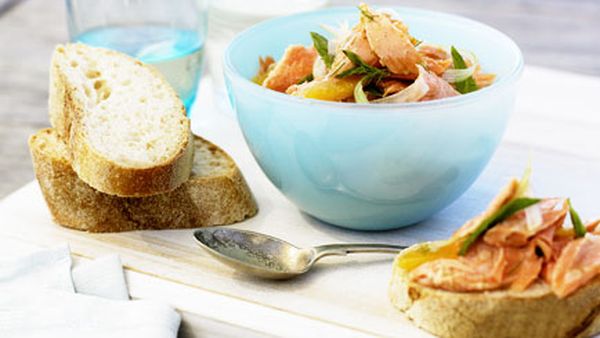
x=422, y=253
x=328, y=89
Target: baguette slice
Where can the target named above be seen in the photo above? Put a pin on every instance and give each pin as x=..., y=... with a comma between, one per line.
x=215, y=194
x=535, y=312
x=125, y=127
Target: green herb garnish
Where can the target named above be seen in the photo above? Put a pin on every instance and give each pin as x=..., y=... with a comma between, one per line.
x=307, y=78
x=359, y=93
x=506, y=211
x=321, y=45
x=373, y=90
x=361, y=68
x=467, y=85
x=364, y=10
x=576, y=220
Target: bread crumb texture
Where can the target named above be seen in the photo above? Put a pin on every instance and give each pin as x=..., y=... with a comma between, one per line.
x=132, y=115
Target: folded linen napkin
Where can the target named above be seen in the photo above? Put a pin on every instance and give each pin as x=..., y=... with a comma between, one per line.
x=41, y=295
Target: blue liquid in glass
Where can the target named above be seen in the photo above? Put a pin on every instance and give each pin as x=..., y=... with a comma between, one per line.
x=177, y=53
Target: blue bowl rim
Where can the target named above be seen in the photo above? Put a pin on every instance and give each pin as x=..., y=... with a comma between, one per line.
x=511, y=77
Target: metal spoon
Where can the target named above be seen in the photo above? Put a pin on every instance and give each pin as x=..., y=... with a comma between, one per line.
x=269, y=257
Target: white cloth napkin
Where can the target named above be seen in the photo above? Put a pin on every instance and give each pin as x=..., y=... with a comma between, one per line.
x=42, y=295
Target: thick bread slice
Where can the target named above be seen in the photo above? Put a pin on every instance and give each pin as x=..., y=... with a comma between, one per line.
x=125, y=127
x=536, y=312
x=215, y=194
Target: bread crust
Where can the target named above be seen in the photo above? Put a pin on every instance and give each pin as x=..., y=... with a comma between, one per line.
x=203, y=200
x=66, y=116
x=535, y=312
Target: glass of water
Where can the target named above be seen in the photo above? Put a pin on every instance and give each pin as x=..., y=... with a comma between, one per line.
x=168, y=34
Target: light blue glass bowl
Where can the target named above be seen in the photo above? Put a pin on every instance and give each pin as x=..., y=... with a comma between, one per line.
x=368, y=166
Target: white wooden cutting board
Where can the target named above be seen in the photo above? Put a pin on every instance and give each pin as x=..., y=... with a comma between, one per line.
x=556, y=124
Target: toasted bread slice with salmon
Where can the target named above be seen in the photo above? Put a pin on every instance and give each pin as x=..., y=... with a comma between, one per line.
x=526, y=275
x=535, y=312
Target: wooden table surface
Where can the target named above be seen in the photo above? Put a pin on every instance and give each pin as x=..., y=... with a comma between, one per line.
x=562, y=34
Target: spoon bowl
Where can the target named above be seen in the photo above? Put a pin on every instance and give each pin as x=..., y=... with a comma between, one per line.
x=269, y=257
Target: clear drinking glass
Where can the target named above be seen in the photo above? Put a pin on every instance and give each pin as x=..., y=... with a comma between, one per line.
x=169, y=34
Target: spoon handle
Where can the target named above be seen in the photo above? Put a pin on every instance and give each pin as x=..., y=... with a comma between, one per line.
x=344, y=249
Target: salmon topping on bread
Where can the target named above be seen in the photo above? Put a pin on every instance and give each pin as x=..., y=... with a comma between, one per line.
x=578, y=263
x=529, y=245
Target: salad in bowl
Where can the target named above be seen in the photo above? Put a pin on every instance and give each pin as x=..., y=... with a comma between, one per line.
x=376, y=61
x=368, y=125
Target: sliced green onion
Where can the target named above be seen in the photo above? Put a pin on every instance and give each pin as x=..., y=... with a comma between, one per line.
x=576, y=220
x=503, y=213
x=468, y=84
x=322, y=47
x=455, y=74
x=361, y=67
